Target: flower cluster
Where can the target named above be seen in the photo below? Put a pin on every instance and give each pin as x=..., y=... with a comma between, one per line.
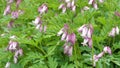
x=38, y=22
x=67, y=4
x=63, y=32
x=86, y=32
x=43, y=9
x=15, y=13
x=114, y=31
x=97, y=57
x=13, y=46
x=69, y=38
x=8, y=7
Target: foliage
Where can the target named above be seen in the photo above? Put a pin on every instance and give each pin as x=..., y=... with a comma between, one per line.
x=45, y=50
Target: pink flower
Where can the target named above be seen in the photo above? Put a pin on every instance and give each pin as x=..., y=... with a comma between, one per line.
x=63, y=32
x=107, y=50
x=16, y=55
x=68, y=49
x=100, y=55
x=114, y=31
x=90, y=32
x=37, y=21
x=15, y=14
x=67, y=4
x=96, y=58
x=73, y=8
x=95, y=6
x=7, y=10
x=18, y=3
x=43, y=8
x=18, y=52
x=86, y=32
x=80, y=29
x=71, y=38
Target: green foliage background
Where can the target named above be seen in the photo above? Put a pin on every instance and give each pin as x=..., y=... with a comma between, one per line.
x=45, y=50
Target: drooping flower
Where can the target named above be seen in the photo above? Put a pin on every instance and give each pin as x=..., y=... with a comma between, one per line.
x=68, y=4
x=68, y=49
x=37, y=21
x=13, y=46
x=43, y=9
x=7, y=10
x=86, y=32
x=17, y=53
x=71, y=38
x=68, y=46
x=95, y=6
x=15, y=14
x=39, y=25
x=64, y=32
x=114, y=31
x=97, y=57
x=18, y=3
x=107, y=50
x=62, y=6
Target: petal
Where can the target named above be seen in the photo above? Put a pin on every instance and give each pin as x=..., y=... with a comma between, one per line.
x=117, y=30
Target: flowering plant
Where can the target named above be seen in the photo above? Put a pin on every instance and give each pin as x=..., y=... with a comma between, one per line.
x=59, y=33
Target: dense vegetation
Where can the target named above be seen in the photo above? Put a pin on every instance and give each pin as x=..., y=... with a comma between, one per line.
x=59, y=33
